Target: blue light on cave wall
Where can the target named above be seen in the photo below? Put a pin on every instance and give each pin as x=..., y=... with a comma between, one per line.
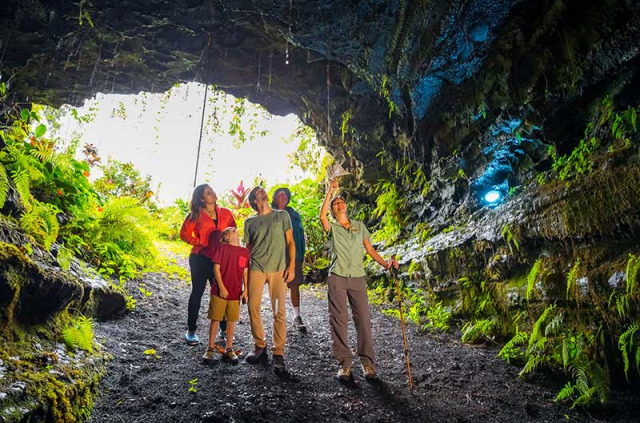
x=492, y=197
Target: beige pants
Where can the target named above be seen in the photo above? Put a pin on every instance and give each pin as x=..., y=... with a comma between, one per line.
x=277, y=294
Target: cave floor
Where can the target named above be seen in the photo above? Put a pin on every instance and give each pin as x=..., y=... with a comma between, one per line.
x=453, y=381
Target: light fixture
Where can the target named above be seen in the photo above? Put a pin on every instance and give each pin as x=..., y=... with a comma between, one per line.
x=492, y=196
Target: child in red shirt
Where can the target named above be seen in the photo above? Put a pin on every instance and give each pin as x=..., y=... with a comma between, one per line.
x=231, y=271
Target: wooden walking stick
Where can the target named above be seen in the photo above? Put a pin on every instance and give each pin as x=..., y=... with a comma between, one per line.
x=394, y=272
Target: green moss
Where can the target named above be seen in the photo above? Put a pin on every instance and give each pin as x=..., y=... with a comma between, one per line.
x=63, y=392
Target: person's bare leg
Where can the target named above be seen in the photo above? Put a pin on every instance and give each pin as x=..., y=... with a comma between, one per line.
x=231, y=327
x=213, y=330
x=294, y=289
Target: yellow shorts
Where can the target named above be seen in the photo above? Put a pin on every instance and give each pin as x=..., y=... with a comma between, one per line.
x=221, y=309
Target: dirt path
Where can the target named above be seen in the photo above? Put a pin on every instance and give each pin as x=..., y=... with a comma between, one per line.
x=454, y=382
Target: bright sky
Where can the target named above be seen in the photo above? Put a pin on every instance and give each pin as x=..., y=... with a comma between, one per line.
x=161, y=138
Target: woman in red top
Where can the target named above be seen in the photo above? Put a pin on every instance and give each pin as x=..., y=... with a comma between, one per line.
x=202, y=229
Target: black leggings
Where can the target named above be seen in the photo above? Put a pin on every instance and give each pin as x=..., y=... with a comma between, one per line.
x=201, y=272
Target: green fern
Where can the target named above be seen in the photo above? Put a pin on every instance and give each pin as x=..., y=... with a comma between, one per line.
x=471, y=332
x=533, y=362
x=600, y=381
x=510, y=238
x=4, y=185
x=41, y=223
x=572, y=276
x=64, y=257
x=566, y=393
x=510, y=349
x=79, y=334
x=21, y=180
x=633, y=265
x=625, y=344
x=554, y=326
x=535, y=331
x=532, y=278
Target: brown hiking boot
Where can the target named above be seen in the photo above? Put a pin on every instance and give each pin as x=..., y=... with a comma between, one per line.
x=344, y=374
x=278, y=364
x=370, y=373
x=299, y=325
x=256, y=355
x=209, y=356
x=230, y=355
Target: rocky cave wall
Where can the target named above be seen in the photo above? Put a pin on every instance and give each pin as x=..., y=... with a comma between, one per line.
x=445, y=99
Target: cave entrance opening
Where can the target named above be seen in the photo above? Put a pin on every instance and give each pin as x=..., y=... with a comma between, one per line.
x=159, y=134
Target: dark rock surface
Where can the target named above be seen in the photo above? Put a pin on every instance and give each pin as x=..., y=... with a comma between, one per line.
x=439, y=65
x=34, y=287
x=453, y=382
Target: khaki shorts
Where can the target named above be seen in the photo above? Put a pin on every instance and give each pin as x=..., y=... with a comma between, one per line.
x=221, y=309
x=299, y=276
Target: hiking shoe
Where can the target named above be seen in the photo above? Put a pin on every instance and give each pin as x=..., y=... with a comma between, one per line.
x=209, y=356
x=344, y=374
x=256, y=355
x=278, y=364
x=230, y=355
x=369, y=373
x=300, y=327
x=191, y=338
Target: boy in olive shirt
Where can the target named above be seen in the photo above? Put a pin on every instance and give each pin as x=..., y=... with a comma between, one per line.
x=269, y=237
x=347, y=281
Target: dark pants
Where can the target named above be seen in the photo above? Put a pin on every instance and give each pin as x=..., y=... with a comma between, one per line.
x=201, y=272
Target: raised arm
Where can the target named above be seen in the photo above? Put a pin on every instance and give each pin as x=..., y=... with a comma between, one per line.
x=324, y=221
x=374, y=255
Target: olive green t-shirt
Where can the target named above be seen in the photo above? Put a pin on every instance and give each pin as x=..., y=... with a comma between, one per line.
x=265, y=235
x=347, y=249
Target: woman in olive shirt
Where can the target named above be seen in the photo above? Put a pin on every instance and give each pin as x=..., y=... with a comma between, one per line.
x=347, y=282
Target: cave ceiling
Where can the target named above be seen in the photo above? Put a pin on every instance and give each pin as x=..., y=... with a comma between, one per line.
x=409, y=76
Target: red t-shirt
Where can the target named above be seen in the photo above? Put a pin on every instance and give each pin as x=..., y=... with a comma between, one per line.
x=232, y=260
x=204, y=231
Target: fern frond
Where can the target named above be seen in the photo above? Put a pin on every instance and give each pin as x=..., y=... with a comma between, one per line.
x=633, y=265
x=624, y=346
x=584, y=399
x=518, y=339
x=79, y=334
x=21, y=180
x=555, y=324
x=582, y=380
x=4, y=185
x=535, y=330
x=481, y=328
x=43, y=151
x=533, y=362
x=532, y=278
x=572, y=276
x=600, y=381
x=40, y=222
x=566, y=392
x=64, y=257
x=565, y=352
x=622, y=306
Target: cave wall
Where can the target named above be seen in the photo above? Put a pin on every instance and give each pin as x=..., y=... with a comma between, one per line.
x=412, y=76
x=445, y=99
